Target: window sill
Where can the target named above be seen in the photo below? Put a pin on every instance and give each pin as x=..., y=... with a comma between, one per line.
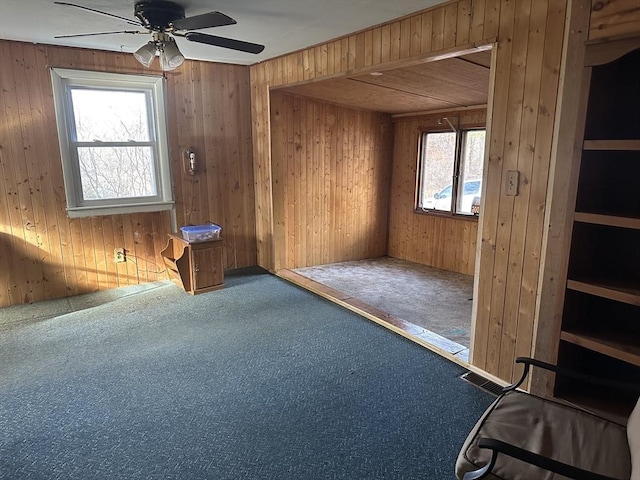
x=94, y=211
x=454, y=216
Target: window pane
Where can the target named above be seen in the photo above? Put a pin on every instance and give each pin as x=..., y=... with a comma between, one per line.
x=116, y=172
x=110, y=116
x=437, y=161
x=471, y=170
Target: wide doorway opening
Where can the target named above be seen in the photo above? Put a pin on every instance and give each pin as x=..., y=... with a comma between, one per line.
x=379, y=181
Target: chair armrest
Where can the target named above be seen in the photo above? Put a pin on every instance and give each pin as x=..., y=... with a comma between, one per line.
x=564, y=372
x=546, y=463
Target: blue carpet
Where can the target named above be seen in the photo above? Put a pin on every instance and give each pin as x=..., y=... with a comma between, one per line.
x=260, y=380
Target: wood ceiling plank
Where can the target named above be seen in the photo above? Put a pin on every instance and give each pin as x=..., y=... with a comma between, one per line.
x=456, y=71
x=366, y=96
x=432, y=86
x=480, y=58
x=447, y=83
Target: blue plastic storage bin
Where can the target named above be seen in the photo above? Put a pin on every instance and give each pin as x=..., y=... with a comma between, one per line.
x=201, y=233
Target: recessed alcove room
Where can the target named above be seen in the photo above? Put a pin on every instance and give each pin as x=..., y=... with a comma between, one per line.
x=268, y=239
x=361, y=154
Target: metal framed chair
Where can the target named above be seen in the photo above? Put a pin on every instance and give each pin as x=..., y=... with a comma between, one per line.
x=521, y=436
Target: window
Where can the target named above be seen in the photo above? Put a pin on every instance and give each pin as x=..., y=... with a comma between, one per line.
x=450, y=173
x=112, y=132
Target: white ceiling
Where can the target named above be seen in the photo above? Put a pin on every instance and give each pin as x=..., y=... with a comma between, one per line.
x=282, y=25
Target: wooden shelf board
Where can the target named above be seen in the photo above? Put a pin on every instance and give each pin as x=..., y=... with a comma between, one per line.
x=613, y=290
x=613, y=345
x=611, y=407
x=633, y=145
x=608, y=220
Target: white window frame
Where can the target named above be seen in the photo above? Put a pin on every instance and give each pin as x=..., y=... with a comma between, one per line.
x=456, y=186
x=63, y=80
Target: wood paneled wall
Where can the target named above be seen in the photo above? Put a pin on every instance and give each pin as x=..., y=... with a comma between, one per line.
x=331, y=168
x=610, y=18
x=434, y=240
x=212, y=115
x=528, y=35
x=453, y=26
x=521, y=125
x=43, y=253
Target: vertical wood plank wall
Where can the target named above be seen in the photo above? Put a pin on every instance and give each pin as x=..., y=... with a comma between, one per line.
x=611, y=18
x=528, y=36
x=434, y=240
x=43, y=253
x=331, y=168
x=523, y=111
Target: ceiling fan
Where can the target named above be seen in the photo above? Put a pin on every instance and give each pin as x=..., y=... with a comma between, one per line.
x=164, y=20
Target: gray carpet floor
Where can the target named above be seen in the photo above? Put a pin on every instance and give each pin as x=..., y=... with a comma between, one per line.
x=260, y=380
x=435, y=299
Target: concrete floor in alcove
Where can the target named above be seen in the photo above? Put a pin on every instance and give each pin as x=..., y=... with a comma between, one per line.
x=426, y=298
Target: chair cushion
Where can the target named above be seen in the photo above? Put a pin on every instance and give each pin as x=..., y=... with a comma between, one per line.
x=633, y=433
x=548, y=428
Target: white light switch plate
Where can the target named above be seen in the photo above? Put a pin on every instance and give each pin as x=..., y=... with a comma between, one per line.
x=513, y=182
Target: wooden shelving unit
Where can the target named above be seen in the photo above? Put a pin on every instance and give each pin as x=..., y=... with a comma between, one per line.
x=613, y=344
x=600, y=330
x=626, y=145
x=618, y=291
x=609, y=220
x=603, y=406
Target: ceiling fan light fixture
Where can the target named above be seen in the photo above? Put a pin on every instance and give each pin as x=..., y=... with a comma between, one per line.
x=146, y=53
x=164, y=18
x=170, y=56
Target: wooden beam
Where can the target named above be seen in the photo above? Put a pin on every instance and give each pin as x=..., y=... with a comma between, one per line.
x=563, y=183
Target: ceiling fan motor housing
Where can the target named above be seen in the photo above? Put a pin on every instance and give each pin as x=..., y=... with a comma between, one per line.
x=164, y=18
x=158, y=15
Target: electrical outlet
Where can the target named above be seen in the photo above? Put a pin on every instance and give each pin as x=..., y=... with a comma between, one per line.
x=119, y=255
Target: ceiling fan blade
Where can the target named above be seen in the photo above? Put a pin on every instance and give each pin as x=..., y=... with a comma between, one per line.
x=224, y=42
x=131, y=22
x=98, y=33
x=206, y=20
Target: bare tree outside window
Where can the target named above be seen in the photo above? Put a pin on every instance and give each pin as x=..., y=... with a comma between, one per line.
x=473, y=154
x=441, y=164
x=471, y=168
x=438, y=155
x=114, y=145
x=112, y=129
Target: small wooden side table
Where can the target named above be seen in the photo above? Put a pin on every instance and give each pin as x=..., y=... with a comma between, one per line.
x=195, y=266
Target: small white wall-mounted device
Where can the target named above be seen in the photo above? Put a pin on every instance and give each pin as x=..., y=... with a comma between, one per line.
x=189, y=161
x=512, y=183
x=192, y=162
